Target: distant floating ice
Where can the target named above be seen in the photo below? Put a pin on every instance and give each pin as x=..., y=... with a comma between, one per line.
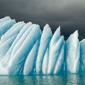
x=25, y=50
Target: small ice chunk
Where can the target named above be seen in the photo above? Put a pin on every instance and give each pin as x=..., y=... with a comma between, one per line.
x=44, y=43
x=73, y=53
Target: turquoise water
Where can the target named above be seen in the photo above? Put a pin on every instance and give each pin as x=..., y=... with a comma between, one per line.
x=42, y=80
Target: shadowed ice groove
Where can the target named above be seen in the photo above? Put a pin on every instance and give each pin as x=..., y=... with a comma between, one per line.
x=7, y=56
x=30, y=60
x=4, y=46
x=5, y=25
x=73, y=53
x=45, y=62
x=13, y=64
x=19, y=35
x=22, y=38
x=53, y=41
x=6, y=42
x=54, y=53
x=60, y=61
x=17, y=60
x=44, y=43
x=13, y=30
x=22, y=31
x=82, y=55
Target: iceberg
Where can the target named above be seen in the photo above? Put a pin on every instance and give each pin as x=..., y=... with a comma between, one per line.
x=73, y=53
x=26, y=50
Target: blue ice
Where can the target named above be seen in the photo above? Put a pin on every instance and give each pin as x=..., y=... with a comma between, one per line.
x=54, y=55
x=30, y=60
x=17, y=60
x=73, y=53
x=44, y=43
x=27, y=50
x=54, y=49
x=5, y=25
x=82, y=55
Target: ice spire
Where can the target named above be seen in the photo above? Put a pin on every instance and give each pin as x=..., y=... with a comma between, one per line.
x=72, y=53
x=54, y=54
x=44, y=43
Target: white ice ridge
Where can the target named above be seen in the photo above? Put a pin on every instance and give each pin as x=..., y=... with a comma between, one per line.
x=26, y=50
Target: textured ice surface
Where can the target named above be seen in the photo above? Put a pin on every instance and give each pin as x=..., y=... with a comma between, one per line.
x=54, y=49
x=26, y=50
x=44, y=43
x=54, y=54
x=5, y=25
x=82, y=54
x=4, y=19
x=30, y=60
x=73, y=53
x=45, y=62
x=60, y=61
x=17, y=60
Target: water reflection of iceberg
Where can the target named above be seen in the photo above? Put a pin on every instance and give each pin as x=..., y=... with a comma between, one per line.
x=71, y=79
x=26, y=50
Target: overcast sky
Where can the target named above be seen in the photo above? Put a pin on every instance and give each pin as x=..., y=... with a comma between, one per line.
x=69, y=14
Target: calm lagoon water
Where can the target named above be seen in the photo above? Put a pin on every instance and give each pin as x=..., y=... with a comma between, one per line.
x=42, y=80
